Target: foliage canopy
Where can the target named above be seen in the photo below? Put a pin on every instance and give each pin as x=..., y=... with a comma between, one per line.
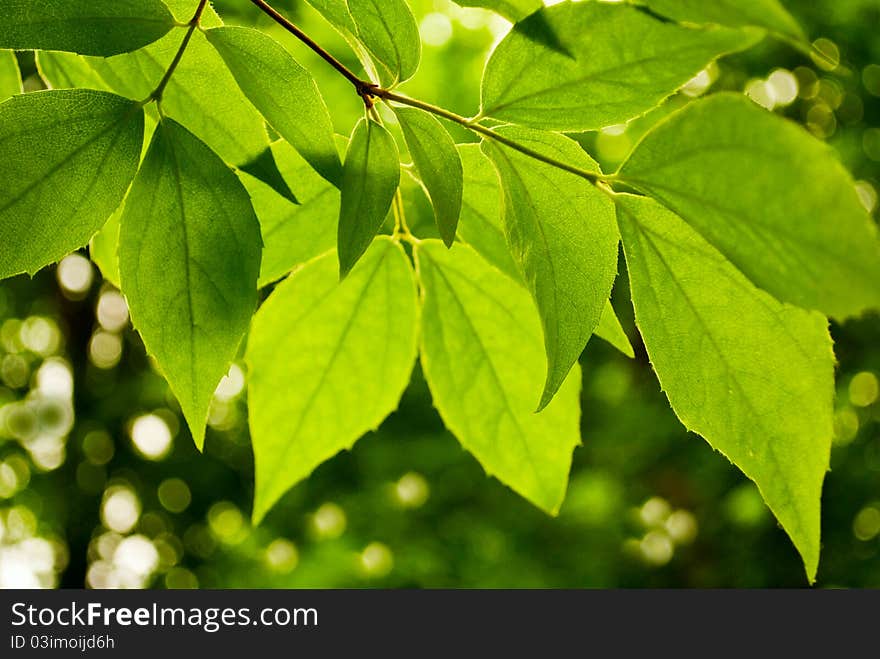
x=741, y=232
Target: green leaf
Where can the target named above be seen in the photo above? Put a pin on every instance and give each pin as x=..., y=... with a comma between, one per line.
x=370, y=177
x=89, y=27
x=562, y=234
x=10, y=77
x=768, y=14
x=337, y=14
x=66, y=159
x=284, y=92
x=103, y=248
x=388, y=30
x=512, y=10
x=481, y=228
x=294, y=233
x=483, y=359
x=328, y=361
x=68, y=71
x=753, y=376
x=189, y=256
x=610, y=330
x=480, y=224
x=770, y=197
x=264, y=168
x=612, y=63
x=202, y=95
x=438, y=165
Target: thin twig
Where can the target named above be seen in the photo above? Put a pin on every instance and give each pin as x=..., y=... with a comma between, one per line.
x=364, y=87
x=386, y=95
x=369, y=90
x=193, y=24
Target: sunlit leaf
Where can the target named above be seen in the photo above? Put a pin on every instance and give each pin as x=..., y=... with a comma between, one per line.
x=88, y=27
x=202, y=95
x=481, y=228
x=104, y=245
x=512, y=10
x=66, y=159
x=482, y=355
x=68, y=70
x=562, y=235
x=753, y=376
x=189, y=257
x=10, y=77
x=388, y=30
x=328, y=362
x=612, y=63
x=772, y=198
x=768, y=14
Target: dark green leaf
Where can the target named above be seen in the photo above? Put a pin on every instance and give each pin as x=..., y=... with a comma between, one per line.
x=328, y=361
x=370, y=178
x=770, y=197
x=438, y=165
x=66, y=159
x=189, y=257
x=88, y=27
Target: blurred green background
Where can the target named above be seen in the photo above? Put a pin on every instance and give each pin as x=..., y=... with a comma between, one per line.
x=100, y=484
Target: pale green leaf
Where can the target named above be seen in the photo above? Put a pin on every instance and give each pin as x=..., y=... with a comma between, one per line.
x=755, y=377
x=10, y=77
x=562, y=234
x=67, y=71
x=512, y=10
x=189, y=257
x=328, y=361
x=480, y=224
x=103, y=248
x=480, y=227
x=89, y=27
x=66, y=159
x=607, y=63
x=609, y=329
x=388, y=30
x=483, y=359
x=438, y=165
x=772, y=198
x=294, y=233
x=284, y=92
x=370, y=177
x=768, y=14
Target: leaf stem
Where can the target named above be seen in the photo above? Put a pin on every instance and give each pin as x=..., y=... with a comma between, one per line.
x=364, y=88
x=368, y=90
x=193, y=24
x=472, y=125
